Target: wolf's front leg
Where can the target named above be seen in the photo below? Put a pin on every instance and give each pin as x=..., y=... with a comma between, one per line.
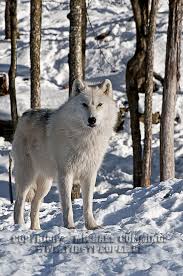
x=65, y=187
x=87, y=188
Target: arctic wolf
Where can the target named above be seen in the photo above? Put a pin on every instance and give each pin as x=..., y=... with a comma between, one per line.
x=69, y=142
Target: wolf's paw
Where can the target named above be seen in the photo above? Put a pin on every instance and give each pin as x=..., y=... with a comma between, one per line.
x=92, y=226
x=71, y=227
x=36, y=228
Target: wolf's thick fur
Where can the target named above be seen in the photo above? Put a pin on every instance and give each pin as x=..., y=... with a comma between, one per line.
x=63, y=142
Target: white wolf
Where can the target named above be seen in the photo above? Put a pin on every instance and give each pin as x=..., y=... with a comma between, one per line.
x=69, y=142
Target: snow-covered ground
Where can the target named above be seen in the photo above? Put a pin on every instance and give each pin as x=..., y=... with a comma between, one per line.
x=142, y=230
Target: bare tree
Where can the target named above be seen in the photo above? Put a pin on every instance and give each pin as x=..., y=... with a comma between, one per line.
x=7, y=20
x=77, y=39
x=147, y=154
x=135, y=79
x=12, y=71
x=84, y=26
x=179, y=52
x=172, y=75
x=77, y=47
x=139, y=79
x=35, y=45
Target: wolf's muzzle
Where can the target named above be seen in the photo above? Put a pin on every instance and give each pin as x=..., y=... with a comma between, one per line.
x=92, y=121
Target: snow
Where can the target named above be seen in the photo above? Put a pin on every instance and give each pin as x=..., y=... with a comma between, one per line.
x=142, y=231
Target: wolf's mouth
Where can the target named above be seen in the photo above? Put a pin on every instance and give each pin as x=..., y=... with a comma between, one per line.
x=92, y=125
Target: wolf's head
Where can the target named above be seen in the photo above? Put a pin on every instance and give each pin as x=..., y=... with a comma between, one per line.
x=94, y=104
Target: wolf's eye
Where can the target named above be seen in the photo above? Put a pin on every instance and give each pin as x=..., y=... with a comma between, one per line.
x=100, y=104
x=85, y=105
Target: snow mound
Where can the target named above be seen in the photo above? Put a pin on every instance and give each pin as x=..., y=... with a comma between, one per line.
x=142, y=234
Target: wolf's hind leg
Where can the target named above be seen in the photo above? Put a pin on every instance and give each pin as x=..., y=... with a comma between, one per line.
x=24, y=179
x=19, y=207
x=43, y=187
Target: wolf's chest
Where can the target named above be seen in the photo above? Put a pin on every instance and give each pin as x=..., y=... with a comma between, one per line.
x=87, y=156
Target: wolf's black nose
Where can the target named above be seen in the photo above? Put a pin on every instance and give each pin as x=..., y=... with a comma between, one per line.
x=91, y=120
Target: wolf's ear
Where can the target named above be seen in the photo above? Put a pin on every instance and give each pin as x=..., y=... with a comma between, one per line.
x=77, y=87
x=106, y=87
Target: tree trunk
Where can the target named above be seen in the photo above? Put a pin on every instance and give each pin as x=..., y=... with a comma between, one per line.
x=6, y=130
x=135, y=78
x=4, y=89
x=7, y=20
x=167, y=161
x=148, y=96
x=76, y=41
x=77, y=47
x=35, y=45
x=133, y=99
x=12, y=71
x=179, y=52
x=84, y=26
